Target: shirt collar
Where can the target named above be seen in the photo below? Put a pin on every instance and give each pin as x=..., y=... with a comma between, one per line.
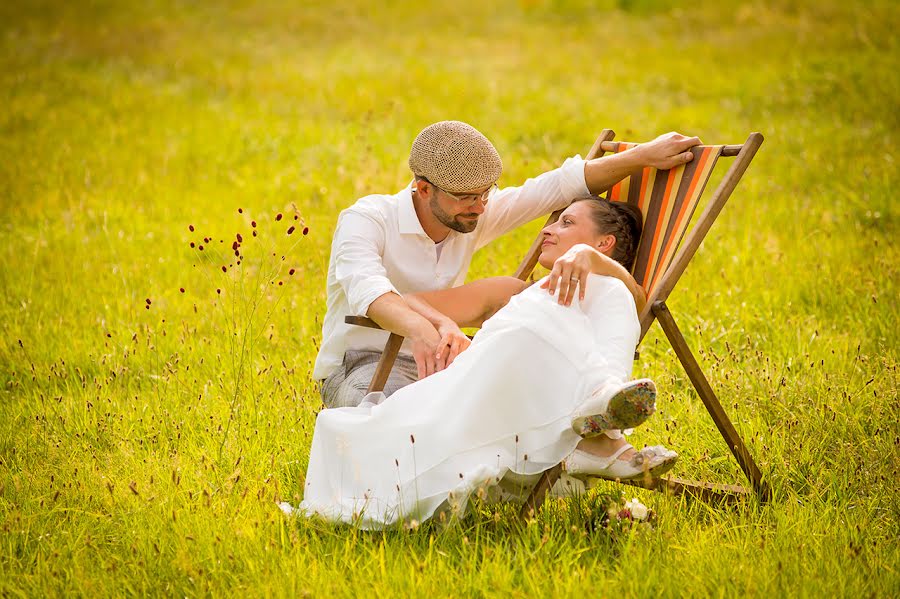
x=409, y=220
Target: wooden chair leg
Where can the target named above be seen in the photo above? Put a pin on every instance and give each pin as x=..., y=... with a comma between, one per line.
x=539, y=493
x=704, y=390
x=388, y=356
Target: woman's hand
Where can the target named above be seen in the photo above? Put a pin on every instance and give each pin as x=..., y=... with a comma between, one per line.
x=453, y=342
x=570, y=271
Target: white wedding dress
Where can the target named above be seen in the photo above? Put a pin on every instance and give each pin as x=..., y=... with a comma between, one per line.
x=503, y=406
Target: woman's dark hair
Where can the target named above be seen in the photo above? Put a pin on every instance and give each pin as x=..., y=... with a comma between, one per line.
x=623, y=221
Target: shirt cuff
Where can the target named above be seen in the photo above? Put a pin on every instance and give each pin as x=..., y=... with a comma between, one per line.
x=359, y=304
x=571, y=181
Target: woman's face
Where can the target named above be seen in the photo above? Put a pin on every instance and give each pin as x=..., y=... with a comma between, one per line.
x=573, y=227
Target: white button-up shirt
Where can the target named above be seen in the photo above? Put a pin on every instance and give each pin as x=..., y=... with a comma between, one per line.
x=380, y=246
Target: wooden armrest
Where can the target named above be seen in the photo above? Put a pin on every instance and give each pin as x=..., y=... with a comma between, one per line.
x=362, y=321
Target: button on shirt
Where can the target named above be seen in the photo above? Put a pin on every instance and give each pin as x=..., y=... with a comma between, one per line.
x=380, y=246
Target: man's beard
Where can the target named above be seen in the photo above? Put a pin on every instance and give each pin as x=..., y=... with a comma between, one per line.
x=452, y=221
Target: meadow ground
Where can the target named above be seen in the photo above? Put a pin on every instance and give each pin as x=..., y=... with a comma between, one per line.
x=146, y=430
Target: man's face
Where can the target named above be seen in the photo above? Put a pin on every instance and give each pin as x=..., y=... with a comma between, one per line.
x=456, y=214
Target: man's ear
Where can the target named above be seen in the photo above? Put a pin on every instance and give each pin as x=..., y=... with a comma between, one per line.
x=421, y=187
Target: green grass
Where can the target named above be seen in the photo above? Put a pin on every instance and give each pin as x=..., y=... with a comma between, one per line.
x=141, y=449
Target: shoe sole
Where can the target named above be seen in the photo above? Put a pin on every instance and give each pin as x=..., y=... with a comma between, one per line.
x=628, y=408
x=654, y=472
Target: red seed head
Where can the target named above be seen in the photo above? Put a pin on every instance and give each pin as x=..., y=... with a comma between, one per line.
x=109, y=335
x=200, y=248
x=278, y=216
x=224, y=269
x=253, y=223
x=148, y=307
x=240, y=210
x=191, y=228
x=235, y=245
x=219, y=291
x=239, y=238
x=291, y=230
x=254, y=233
x=193, y=244
x=148, y=301
x=281, y=282
x=291, y=271
x=306, y=230
x=296, y=217
x=181, y=289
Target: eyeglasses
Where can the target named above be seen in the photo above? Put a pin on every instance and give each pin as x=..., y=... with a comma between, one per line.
x=468, y=200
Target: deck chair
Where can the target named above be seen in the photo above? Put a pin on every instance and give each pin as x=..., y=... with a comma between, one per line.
x=667, y=200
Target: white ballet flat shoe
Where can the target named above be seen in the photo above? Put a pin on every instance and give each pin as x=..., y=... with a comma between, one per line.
x=615, y=407
x=653, y=461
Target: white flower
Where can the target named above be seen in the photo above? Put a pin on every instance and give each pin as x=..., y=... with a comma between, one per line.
x=638, y=510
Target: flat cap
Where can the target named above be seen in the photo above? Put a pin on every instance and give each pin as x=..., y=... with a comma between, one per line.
x=455, y=156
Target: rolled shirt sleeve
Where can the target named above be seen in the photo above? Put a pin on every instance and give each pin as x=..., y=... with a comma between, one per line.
x=512, y=207
x=358, y=248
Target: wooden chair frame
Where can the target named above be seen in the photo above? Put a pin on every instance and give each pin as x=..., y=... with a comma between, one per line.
x=656, y=309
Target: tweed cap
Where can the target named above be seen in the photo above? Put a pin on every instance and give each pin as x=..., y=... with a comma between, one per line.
x=455, y=156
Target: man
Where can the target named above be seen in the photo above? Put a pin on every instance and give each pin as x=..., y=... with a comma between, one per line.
x=422, y=239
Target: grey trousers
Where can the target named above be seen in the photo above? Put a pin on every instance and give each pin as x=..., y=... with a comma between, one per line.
x=347, y=386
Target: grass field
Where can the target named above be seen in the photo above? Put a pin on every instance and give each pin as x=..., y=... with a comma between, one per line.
x=143, y=445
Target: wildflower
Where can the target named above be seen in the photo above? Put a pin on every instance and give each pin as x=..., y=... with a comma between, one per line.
x=278, y=216
x=193, y=244
x=637, y=509
x=291, y=272
x=296, y=217
x=224, y=269
x=200, y=248
x=181, y=289
x=253, y=223
x=239, y=238
x=191, y=228
x=254, y=233
x=218, y=291
x=148, y=301
x=240, y=210
x=305, y=230
x=291, y=230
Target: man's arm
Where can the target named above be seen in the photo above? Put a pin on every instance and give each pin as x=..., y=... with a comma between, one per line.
x=664, y=152
x=394, y=314
x=358, y=267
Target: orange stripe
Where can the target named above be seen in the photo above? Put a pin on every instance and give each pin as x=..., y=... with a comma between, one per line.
x=642, y=199
x=701, y=175
x=661, y=225
x=670, y=196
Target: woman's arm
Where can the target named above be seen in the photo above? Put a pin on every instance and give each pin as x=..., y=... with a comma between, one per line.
x=572, y=268
x=468, y=305
x=465, y=306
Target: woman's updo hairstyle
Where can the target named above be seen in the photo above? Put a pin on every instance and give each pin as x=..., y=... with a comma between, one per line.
x=623, y=221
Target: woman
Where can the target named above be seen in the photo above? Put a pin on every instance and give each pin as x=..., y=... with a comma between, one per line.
x=546, y=367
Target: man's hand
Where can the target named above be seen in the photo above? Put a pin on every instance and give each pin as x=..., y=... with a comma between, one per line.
x=453, y=342
x=667, y=151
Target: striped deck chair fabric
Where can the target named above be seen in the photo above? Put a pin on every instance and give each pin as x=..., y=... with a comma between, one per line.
x=667, y=200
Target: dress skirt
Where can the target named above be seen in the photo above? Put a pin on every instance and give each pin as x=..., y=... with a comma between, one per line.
x=504, y=405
